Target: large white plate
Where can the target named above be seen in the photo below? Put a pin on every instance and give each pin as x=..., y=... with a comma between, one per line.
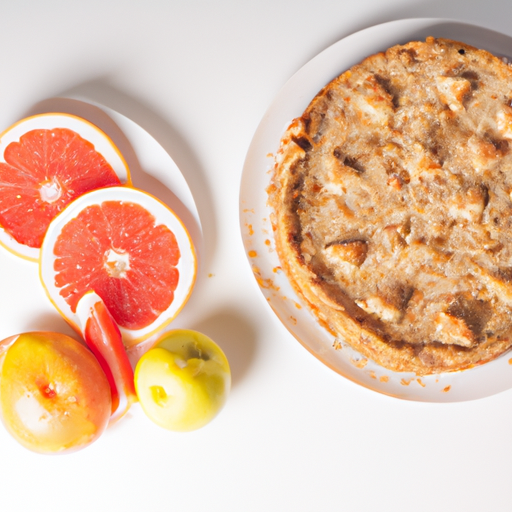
x=256, y=230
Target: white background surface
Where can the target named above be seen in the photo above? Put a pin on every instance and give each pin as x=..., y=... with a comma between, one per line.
x=294, y=436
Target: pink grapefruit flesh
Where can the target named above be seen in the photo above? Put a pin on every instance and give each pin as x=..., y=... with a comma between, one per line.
x=42, y=173
x=116, y=250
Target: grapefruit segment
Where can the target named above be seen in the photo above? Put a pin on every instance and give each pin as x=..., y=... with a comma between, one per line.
x=130, y=249
x=103, y=337
x=45, y=162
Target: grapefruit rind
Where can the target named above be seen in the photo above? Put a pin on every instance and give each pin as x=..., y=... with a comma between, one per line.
x=187, y=265
x=88, y=131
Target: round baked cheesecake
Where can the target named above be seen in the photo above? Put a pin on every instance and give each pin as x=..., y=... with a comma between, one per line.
x=392, y=210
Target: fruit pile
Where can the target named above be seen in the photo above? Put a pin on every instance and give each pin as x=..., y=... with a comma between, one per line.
x=118, y=265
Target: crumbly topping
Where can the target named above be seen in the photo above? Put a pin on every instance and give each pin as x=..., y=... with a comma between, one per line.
x=392, y=199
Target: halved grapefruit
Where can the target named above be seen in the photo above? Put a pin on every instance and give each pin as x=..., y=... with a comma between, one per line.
x=129, y=248
x=46, y=161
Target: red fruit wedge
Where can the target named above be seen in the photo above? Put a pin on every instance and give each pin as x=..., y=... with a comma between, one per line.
x=46, y=161
x=103, y=337
x=130, y=249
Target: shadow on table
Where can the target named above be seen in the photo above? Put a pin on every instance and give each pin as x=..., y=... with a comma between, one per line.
x=50, y=322
x=236, y=336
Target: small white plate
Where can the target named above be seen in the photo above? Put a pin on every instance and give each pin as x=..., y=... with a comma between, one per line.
x=256, y=229
x=23, y=302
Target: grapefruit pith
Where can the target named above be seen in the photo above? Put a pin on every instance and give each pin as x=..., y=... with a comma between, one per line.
x=129, y=248
x=46, y=161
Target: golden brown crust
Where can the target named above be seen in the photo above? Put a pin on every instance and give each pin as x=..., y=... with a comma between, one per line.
x=392, y=208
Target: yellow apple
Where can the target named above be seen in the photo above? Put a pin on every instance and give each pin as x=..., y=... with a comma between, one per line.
x=54, y=396
x=183, y=382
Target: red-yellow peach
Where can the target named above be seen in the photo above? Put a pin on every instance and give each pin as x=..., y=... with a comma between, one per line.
x=54, y=396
